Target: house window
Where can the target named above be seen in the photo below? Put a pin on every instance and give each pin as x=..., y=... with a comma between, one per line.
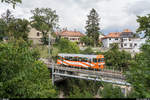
x=38, y=34
x=124, y=39
x=129, y=39
x=130, y=44
x=125, y=44
x=109, y=38
x=135, y=44
x=116, y=38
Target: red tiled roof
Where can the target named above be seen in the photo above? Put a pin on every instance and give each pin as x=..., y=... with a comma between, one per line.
x=117, y=34
x=70, y=33
x=113, y=35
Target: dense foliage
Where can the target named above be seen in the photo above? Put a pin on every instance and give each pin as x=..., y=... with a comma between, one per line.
x=110, y=91
x=21, y=74
x=92, y=27
x=77, y=88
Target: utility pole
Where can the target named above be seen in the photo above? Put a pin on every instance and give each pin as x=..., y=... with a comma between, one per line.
x=50, y=59
x=49, y=45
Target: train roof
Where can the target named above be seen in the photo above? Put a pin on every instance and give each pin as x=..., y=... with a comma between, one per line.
x=78, y=55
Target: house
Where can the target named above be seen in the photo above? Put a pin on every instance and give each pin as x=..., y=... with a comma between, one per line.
x=126, y=40
x=113, y=37
x=36, y=36
x=73, y=36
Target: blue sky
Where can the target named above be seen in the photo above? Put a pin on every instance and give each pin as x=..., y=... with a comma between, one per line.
x=115, y=15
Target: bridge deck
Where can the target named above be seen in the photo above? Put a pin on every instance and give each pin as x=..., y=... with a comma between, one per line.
x=106, y=73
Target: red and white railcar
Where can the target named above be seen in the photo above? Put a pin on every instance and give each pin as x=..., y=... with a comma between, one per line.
x=81, y=60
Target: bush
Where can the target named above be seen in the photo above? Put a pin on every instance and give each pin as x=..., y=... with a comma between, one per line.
x=66, y=46
x=88, y=50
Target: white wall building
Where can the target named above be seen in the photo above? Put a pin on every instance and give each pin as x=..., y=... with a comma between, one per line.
x=126, y=40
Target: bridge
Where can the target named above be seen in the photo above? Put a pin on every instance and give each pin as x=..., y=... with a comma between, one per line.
x=109, y=76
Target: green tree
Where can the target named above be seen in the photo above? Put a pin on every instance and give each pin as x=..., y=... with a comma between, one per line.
x=86, y=40
x=19, y=28
x=110, y=91
x=3, y=29
x=7, y=16
x=12, y=2
x=92, y=26
x=44, y=20
x=144, y=24
x=66, y=46
x=5, y=20
x=117, y=59
x=21, y=74
x=139, y=71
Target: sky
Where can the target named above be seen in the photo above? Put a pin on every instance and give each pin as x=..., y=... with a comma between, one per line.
x=115, y=15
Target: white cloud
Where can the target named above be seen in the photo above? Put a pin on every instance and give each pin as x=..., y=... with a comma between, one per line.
x=115, y=14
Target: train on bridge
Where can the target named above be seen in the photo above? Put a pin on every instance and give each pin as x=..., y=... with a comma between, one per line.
x=81, y=61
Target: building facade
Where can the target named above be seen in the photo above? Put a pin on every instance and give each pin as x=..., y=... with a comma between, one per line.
x=126, y=40
x=35, y=36
x=73, y=36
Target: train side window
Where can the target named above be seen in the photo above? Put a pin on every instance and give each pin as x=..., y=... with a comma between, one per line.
x=66, y=58
x=84, y=59
x=89, y=60
x=75, y=59
x=79, y=59
x=94, y=60
x=99, y=60
x=70, y=58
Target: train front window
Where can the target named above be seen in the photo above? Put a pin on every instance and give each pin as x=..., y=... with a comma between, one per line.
x=102, y=59
x=58, y=57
